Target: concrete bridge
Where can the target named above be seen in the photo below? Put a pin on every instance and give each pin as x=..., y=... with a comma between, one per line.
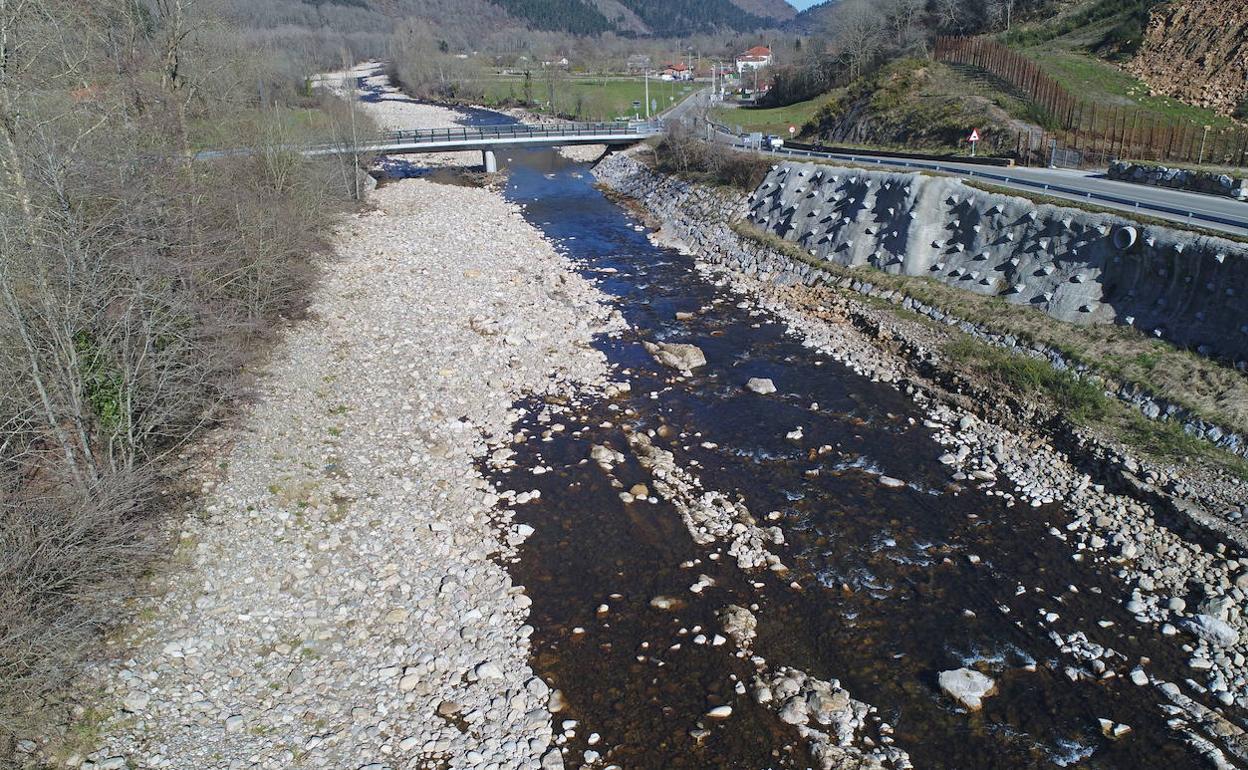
x=489, y=138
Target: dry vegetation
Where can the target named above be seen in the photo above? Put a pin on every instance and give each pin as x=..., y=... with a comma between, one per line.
x=681, y=153
x=136, y=288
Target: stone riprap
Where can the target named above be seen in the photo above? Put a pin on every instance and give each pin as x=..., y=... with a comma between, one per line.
x=1180, y=179
x=702, y=218
x=1075, y=266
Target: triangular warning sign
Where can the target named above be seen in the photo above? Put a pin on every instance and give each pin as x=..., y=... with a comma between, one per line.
x=974, y=134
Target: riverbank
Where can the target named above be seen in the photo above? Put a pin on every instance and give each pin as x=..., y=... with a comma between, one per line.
x=1168, y=535
x=340, y=601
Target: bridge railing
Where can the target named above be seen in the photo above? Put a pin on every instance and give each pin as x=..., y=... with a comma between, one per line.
x=516, y=131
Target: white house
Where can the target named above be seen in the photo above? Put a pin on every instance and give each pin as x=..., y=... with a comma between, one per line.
x=754, y=59
x=677, y=71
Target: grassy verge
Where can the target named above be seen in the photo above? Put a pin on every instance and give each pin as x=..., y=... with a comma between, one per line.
x=1031, y=378
x=1086, y=404
x=1118, y=354
x=771, y=120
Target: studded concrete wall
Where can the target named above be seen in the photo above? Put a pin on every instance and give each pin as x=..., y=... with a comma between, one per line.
x=1076, y=266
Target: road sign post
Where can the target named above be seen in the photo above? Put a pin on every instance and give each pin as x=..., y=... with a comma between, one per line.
x=974, y=139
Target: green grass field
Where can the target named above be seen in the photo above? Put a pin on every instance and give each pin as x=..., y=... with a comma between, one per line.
x=774, y=120
x=586, y=98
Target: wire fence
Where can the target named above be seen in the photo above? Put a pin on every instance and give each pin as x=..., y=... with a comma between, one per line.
x=1083, y=132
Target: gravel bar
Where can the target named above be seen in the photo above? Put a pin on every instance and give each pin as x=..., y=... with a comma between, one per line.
x=340, y=602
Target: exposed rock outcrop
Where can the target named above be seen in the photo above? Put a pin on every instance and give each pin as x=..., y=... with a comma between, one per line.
x=1197, y=51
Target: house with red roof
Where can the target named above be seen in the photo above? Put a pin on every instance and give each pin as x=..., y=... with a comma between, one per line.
x=756, y=58
x=676, y=71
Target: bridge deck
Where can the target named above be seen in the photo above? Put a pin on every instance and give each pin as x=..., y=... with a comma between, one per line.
x=491, y=137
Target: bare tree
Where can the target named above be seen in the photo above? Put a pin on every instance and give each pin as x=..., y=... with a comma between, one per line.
x=134, y=289
x=1000, y=14
x=950, y=15
x=859, y=34
x=902, y=20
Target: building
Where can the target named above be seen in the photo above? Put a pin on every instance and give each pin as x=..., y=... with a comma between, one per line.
x=756, y=58
x=677, y=71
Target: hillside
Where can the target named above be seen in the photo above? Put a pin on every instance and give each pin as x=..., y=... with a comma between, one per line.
x=667, y=18
x=815, y=18
x=778, y=10
x=916, y=104
x=365, y=26
x=1197, y=51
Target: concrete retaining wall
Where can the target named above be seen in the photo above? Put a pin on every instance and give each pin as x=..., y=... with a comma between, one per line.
x=922, y=209
x=1180, y=179
x=1075, y=266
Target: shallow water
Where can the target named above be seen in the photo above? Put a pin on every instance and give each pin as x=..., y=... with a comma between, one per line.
x=888, y=594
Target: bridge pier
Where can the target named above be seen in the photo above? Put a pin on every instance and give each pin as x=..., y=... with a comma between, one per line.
x=489, y=161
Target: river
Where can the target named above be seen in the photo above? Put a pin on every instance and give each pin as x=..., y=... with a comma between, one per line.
x=887, y=586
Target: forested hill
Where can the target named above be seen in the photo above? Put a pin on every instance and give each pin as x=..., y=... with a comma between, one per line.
x=665, y=18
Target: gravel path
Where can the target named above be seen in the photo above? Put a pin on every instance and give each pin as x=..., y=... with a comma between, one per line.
x=340, y=602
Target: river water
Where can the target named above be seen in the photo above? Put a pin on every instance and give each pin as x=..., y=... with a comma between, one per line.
x=887, y=587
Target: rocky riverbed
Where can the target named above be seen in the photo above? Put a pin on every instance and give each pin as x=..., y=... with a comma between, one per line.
x=1177, y=571
x=339, y=601
x=528, y=490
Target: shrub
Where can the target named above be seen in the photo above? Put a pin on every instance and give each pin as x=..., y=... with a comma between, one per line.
x=683, y=154
x=136, y=290
x=64, y=558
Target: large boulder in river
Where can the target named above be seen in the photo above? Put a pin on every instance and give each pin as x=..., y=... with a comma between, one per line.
x=967, y=687
x=1212, y=630
x=740, y=624
x=761, y=385
x=677, y=355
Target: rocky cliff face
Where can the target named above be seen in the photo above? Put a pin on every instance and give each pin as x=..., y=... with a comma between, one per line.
x=1197, y=51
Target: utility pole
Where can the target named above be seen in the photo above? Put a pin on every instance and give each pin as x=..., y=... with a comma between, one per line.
x=349, y=85
x=647, y=93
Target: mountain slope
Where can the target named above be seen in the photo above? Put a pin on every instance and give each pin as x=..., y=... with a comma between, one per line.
x=574, y=16
x=663, y=18
x=622, y=17
x=814, y=18
x=777, y=10
x=1197, y=51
